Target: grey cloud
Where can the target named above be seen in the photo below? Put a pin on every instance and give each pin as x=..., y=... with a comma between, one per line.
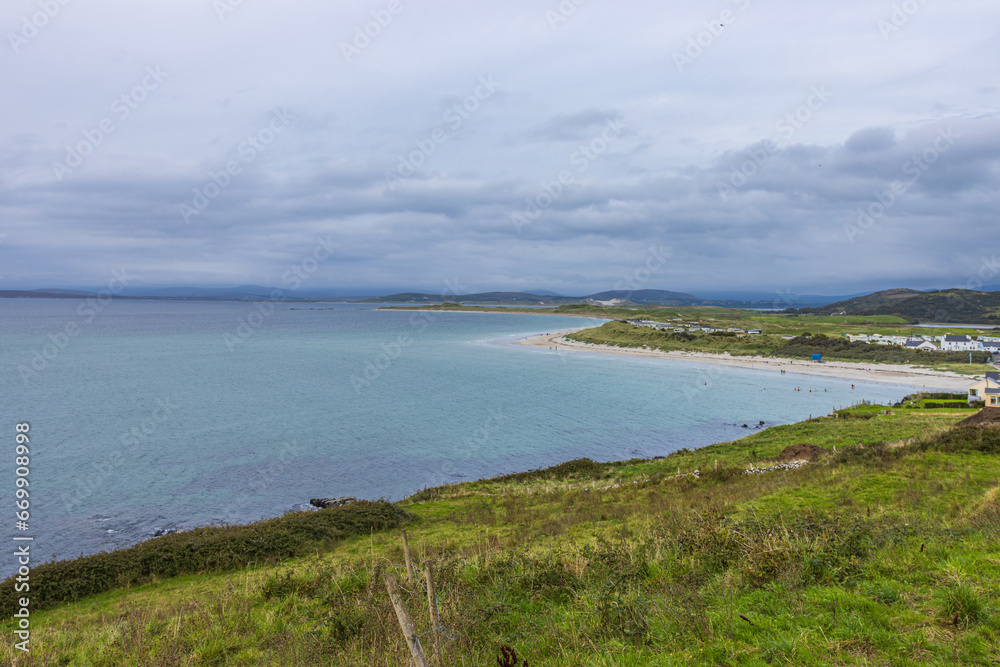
x=871, y=139
x=577, y=126
x=657, y=183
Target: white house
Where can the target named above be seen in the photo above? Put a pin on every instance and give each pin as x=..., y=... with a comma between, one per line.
x=951, y=343
x=991, y=346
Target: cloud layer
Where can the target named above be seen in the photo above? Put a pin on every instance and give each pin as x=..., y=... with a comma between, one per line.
x=516, y=145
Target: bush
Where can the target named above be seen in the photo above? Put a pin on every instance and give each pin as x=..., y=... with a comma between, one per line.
x=877, y=452
x=962, y=605
x=584, y=468
x=207, y=549
x=964, y=439
x=622, y=614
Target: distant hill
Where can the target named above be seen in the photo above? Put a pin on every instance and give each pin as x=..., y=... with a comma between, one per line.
x=484, y=298
x=644, y=297
x=44, y=294
x=867, y=302
x=944, y=306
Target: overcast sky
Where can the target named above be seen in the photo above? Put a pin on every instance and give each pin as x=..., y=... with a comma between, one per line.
x=526, y=144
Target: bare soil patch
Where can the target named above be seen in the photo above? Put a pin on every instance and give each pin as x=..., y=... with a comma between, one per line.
x=985, y=417
x=803, y=451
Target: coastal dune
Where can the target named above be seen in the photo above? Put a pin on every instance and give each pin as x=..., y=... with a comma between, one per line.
x=918, y=378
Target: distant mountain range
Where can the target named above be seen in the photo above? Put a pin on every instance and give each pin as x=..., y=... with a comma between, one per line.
x=953, y=306
x=646, y=297
x=958, y=306
x=241, y=293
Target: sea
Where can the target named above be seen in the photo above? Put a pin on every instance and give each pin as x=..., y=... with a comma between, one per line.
x=147, y=416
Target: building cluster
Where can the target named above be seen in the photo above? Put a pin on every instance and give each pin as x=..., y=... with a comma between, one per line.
x=946, y=343
x=688, y=327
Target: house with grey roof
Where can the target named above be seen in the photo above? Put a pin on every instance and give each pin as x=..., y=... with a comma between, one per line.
x=950, y=343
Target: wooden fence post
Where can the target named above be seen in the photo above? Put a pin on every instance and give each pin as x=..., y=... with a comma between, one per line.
x=409, y=632
x=432, y=603
x=410, y=577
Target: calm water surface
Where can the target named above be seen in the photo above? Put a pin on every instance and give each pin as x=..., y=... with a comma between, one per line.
x=162, y=414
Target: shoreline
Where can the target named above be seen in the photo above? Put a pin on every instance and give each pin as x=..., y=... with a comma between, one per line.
x=901, y=374
x=503, y=311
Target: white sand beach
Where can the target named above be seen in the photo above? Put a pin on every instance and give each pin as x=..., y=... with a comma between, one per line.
x=918, y=378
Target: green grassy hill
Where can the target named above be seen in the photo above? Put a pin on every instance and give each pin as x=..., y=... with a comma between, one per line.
x=954, y=305
x=885, y=550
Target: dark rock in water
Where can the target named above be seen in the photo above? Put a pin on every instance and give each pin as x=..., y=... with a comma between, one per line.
x=745, y=426
x=160, y=532
x=323, y=503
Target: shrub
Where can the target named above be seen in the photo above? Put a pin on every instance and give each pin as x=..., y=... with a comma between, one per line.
x=877, y=452
x=623, y=614
x=584, y=468
x=969, y=439
x=207, y=549
x=962, y=605
x=940, y=396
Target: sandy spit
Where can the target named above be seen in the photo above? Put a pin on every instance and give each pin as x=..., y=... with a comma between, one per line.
x=918, y=378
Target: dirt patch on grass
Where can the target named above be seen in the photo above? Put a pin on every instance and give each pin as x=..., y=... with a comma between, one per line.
x=986, y=417
x=800, y=452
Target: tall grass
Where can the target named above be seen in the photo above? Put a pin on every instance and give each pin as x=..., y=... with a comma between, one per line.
x=877, y=554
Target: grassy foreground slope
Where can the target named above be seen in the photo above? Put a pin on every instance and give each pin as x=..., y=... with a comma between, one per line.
x=883, y=552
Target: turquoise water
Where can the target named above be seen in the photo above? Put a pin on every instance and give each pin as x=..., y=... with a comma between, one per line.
x=160, y=414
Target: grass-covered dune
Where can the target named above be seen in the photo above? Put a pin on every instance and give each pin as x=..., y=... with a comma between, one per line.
x=885, y=550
